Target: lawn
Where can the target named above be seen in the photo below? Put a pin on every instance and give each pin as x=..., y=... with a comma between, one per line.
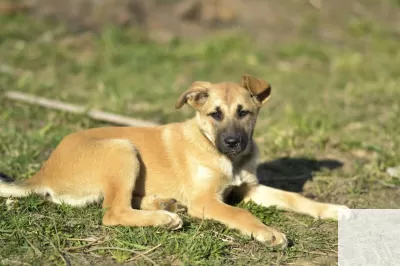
x=330, y=131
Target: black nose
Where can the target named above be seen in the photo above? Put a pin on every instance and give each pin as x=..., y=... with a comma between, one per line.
x=232, y=142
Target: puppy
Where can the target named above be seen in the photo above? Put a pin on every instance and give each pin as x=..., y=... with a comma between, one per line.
x=196, y=163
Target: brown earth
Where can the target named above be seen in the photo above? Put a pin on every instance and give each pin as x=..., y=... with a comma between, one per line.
x=267, y=21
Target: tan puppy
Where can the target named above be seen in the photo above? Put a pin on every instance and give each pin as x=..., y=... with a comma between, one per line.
x=196, y=162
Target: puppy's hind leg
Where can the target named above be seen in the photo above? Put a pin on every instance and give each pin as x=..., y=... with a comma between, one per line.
x=118, y=188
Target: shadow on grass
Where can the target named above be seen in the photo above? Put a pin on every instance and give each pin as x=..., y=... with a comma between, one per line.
x=292, y=173
x=285, y=173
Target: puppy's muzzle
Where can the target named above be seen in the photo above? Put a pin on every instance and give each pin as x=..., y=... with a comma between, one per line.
x=232, y=144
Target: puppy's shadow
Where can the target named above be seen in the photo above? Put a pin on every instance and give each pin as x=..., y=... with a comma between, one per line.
x=285, y=173
x=292, y=173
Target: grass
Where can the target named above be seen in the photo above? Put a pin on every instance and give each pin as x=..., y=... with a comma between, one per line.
x=329, y=102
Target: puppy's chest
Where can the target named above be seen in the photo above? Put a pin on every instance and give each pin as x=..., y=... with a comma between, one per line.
x=222, y=174
x=232, y=175
x=237, y=179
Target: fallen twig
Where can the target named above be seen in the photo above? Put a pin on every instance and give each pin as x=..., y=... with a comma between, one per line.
x=94, y=114
x=91, y=242
x=143, y=253
x=8, y=9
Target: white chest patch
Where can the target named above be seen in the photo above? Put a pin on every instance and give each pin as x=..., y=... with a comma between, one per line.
x=204, y=172
x=237, y=180
x=226, y=167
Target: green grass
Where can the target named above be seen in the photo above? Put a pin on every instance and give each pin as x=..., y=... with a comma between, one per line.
x=329, y=102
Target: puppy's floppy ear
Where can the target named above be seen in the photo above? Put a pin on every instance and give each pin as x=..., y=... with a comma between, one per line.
x=259, y=89
x=195, y=96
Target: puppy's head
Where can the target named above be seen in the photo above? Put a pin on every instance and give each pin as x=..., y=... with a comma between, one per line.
x=227, y=112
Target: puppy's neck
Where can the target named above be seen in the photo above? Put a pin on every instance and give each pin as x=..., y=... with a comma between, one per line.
x=198, y=138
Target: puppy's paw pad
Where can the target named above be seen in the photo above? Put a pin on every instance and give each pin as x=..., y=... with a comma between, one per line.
x=175, y=222
x=279, y=240
x=272, y=238
x=166, y=204
x=170, y=205
x=180, y=208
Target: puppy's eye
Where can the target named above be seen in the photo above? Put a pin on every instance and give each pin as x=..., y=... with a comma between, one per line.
x=243, y=113
x=217, y=115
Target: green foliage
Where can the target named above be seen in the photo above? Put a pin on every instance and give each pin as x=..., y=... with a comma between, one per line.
x=327, y=102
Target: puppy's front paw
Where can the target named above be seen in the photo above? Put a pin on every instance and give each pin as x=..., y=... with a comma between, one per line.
x=331, y=211
x=172, y=221
x=271, y=237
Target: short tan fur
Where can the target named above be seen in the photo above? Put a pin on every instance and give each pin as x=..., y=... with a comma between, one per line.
x=145, y=175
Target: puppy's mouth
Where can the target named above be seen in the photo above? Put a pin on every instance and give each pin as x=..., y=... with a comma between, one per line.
x=233, y=152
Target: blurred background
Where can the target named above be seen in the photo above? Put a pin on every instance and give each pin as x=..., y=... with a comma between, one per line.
x=330, y=130
x=135, y=56
x=267, y=21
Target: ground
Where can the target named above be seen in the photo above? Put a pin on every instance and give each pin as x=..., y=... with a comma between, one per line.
x=330, y=131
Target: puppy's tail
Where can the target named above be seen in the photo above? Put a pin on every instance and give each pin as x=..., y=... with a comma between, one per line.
x=10, y=188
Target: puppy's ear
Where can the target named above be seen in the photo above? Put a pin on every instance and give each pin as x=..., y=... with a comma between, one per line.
x=195, y=96
x=259, y=89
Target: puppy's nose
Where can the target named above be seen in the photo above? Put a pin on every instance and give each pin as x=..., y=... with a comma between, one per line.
x=232, y=142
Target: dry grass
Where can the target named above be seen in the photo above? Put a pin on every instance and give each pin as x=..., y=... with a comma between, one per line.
x=329, y=131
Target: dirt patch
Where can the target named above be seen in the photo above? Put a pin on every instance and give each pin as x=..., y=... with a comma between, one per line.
x=267, y=21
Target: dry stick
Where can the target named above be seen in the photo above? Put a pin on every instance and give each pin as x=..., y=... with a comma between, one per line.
x=94, y=114
x=144, y=253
